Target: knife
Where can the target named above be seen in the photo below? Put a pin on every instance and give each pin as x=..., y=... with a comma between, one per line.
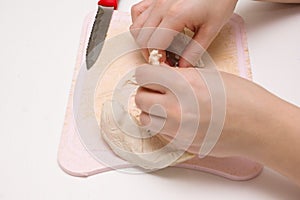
x=99, y=30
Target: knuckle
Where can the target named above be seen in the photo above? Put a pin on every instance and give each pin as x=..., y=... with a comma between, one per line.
x=135, y=8
x=190, y=77
x=136, y=26
x=133, y=27
x=144, y=119
x=138, y=76
x=141, y=73
x=138, y=98
x=134, y=30
x=172, y=13
x=175, y=10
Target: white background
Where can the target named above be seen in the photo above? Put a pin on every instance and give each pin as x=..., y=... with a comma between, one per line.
x=38, y=47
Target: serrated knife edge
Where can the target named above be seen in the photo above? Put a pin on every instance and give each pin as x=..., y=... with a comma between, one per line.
x=98, y=34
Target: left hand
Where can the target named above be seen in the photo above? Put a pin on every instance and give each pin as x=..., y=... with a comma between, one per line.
x=153, y=20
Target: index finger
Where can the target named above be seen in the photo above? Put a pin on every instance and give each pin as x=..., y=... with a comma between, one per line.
x=161, y=78
x=146, y=76
x=165, y=33
x=139, y=8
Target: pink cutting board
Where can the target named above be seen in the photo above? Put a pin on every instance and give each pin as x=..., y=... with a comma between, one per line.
x=230, y=45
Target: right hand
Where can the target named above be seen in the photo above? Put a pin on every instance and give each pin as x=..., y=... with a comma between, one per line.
x=204, y=17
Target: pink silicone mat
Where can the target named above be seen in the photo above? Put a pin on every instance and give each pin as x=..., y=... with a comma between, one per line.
x=231, y=43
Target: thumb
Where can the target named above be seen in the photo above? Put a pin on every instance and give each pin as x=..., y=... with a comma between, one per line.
x=197, y=46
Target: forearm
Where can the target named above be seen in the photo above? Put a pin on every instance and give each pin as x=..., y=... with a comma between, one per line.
x=272, y=137
x=282, y=1
x=278, y=141
x=261, y=127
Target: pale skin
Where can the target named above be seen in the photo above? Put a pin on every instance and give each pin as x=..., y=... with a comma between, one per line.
x=258, y=125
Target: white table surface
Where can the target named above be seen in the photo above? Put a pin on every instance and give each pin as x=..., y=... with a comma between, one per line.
x=38, y=46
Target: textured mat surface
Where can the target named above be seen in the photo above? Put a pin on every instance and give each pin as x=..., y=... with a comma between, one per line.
x=230, y=53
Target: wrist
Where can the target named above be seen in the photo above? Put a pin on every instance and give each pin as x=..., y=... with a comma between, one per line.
x=251, y=111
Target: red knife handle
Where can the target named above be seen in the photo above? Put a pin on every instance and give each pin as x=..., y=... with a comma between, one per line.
x=109, y=3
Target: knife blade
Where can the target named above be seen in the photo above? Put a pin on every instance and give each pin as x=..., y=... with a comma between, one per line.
x=99, y=30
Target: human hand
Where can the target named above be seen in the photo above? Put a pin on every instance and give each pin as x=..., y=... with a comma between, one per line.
x=204, y=18
x=243, y=106
x=257, y=125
